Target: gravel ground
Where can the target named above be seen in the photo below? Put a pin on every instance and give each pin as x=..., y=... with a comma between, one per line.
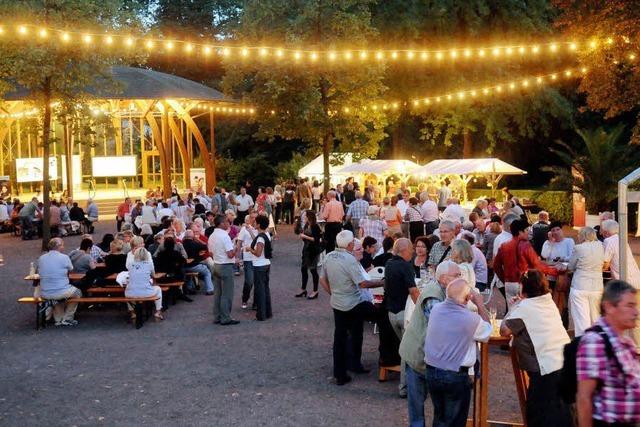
x=187, y=371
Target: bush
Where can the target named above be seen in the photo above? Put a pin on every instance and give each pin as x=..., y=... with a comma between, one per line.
x=557, y=203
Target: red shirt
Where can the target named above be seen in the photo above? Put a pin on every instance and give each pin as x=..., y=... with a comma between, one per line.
x=123, y=208
x=515, y=257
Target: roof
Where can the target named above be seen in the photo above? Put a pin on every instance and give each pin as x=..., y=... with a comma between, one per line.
x=490, y=166
x=380, y=167
x=141, y=83
x=316, y=166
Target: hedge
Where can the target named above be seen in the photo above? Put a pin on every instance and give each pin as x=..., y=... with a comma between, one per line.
x=558, y=203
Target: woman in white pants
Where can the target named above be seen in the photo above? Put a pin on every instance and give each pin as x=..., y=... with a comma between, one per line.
x=141, y=279
x=586, y=285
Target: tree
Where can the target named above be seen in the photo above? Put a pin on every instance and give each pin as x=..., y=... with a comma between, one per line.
x=442, y=24
x=600, y=160
x=315, y=101
x=613, y=82
x=52, y=71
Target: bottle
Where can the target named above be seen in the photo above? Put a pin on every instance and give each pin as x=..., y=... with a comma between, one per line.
x=32, y=269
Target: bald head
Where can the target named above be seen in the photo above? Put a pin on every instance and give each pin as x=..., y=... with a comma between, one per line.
x=403, y=248
x=458, y=291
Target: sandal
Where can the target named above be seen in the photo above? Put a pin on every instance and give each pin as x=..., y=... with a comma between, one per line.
x=157, y=316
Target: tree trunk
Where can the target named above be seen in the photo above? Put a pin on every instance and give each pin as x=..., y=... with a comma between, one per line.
x=46, y=147
x=467, y=145
x=326, y=152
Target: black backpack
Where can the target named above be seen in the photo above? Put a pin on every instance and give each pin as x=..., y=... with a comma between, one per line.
x=569, y=374
x=268, y=250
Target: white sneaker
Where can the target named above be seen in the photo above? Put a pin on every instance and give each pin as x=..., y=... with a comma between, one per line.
x=67, y=323
x=244, y=305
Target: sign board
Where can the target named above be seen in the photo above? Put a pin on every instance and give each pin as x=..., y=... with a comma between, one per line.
x=198, y=179
x=30, y=169
x=113, y=166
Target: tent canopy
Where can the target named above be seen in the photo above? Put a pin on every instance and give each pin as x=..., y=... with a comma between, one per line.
x=315, y=168
x=379, y=167
x=491, y=166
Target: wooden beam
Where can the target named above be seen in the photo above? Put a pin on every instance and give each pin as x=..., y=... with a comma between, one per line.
x=157, y=136
x=184, y=154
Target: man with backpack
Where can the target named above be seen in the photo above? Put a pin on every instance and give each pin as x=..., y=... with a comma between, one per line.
x=607, y=364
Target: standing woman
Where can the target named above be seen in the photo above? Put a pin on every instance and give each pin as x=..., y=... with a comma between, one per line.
x=261, y=250
x=414, y=217
x=586, y=285
x=391, y=214
x=140, y=277
x=316, y=193
x=288, y=205
x=310, y=236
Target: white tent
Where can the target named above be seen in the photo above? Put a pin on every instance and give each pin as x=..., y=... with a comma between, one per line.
x=315, y=168
x=379, y=167
x=492, y=169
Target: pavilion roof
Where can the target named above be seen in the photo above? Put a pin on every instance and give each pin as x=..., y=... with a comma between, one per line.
x=489, y=166
x=401, y=167
x=141, y=83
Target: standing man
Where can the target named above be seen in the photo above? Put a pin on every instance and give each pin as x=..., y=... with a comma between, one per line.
x=412, y=344
x=92, y=215
x=539, y=231
x=430, y=214
x=303, y=192
x=221, y=247
x=399, y=283
x=245, y=203
x=357, y=210
x=450, y=351
x=607, y=363
x=444, y=194
x=610, y=230
x=342, y=277
x=332, y=213
x=124, y=208
x=54, y=268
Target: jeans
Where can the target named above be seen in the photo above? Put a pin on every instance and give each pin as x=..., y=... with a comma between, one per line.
x=222, y=292
x=349, y=323
x=397, y=323
x=288, y=210
x=203, y=272
x=26, y=225
x=451, y=396
x=511, y=289
x=261, y=292
x=248, y=281
x=63, y=311
x=416, y=396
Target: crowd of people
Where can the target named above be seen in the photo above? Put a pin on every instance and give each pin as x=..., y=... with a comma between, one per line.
x=431, y=259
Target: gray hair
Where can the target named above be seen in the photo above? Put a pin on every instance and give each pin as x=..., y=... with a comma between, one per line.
x=508, y=219
x=587, y=234
x=331, y=194
x=613, y=292
x=463, y=249
x=344, y=238
x=54, y=244
x=448, y=224
x=607, y=215
x=610, y=226
x=446, y=267
x=543, y=216
x=141, y=254
x=358, y=195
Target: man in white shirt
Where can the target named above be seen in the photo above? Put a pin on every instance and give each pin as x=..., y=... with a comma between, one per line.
x=165, y=210
x=609, y=230
x=444, y=194
x=244, y=240
x=221, y=247
x=245, y=202
x=454, y=211
x=430, y=213
x=403, y=204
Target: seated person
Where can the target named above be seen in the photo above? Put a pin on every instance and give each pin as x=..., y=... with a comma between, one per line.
x=140, y=281
x=76, y=213
x=115, y=261
x=81, y=257
x=368, y=249
x=197, y=253
x=381, y=260
x=169, y=260
x=54, y=268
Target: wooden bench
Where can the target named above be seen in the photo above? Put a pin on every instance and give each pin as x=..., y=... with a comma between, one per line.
x=383, y=372
x=114, y=290
x=137, y=304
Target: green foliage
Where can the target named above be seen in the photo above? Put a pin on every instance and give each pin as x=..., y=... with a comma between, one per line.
x=289, y=170
x=305, y=99
x=559, y=204
x=613, y=82
x=601, y=160
x=235, y=171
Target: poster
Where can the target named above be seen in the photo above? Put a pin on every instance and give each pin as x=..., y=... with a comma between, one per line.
x=30, y=169
x=5, y=186
x=114, y=166
x=198, y=179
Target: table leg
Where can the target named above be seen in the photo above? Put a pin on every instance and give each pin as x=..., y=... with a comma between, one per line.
x=521, y=384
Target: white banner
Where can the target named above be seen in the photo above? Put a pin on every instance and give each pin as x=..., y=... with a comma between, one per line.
x=76, y=171
x=30, y=169
x=112, y=166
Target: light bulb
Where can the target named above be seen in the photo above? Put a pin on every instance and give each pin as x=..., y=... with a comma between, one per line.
x=109, y=40
x=481, y=53
x=149, y=44
x=314, y=56
x=553, y=76
x=129, y=41
x=348, y=55
x=508, y=51
x=467, y=53
x=87, y=39
x=424, y=56
x=410, y=55
x=22, y=30
x=244, y=52
x=363, y=55
x=379, y=56
x=521, y=50
x=42, y=33
x=535, y=49
x=66, y=37
x=454, y=54
x=279, y=53
x=297, y=56
x=394, y=55
x=439, y=55
x=553, y=47
x=188, y=47
x=573, y=46
x=496, y=52
x=169, y=45
x=207, y=50
x=539, y=80
x=332, y=56
x=263, y=52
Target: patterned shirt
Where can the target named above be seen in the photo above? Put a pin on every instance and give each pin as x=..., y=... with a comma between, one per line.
x=413, y=214
x=436, y=253
x=617, y=399
x=374, y=228
x=358, y=209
